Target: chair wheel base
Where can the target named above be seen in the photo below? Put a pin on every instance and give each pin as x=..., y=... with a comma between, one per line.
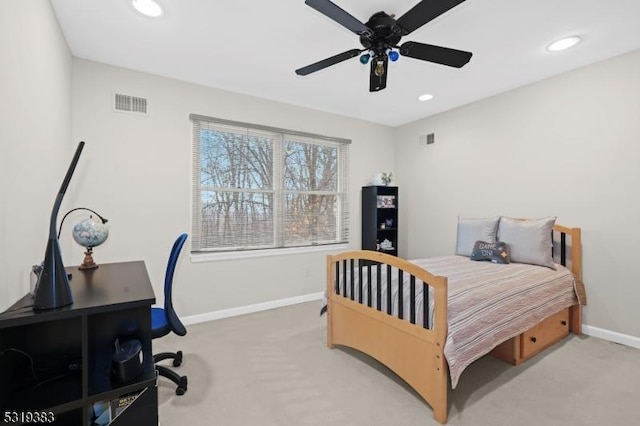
x=177, y=361
x=180, y=381
x=182, y=387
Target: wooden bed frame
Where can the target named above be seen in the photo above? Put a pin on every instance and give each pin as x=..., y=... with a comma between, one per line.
x=416, y=352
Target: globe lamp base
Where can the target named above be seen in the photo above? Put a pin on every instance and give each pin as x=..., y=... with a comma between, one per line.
x=88, y=262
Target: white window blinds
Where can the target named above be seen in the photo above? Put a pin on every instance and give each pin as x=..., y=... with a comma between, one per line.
x=258, y=187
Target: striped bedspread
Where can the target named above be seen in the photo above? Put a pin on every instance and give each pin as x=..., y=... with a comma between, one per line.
x=488, y=303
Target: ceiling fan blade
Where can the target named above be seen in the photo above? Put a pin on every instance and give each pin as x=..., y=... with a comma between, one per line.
x=328, y=62
x=437, y=54
x=340, y=16
x=424, y=12
x=378, y=82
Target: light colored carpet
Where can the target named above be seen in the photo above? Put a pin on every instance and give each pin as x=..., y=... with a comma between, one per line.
x=273, y=368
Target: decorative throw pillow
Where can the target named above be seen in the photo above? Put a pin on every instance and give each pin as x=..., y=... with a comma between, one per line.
x=471, y=230
x=529, y=240
x=497, y=252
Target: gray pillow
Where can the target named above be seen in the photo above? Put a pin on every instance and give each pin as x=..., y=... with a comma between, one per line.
x=471, y=230
x=529, y=240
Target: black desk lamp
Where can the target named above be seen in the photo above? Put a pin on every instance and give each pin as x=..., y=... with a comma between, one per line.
x=52, y=288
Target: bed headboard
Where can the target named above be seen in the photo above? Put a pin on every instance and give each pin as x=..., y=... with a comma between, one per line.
x=562, y=247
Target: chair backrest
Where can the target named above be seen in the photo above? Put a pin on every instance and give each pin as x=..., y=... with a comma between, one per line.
x=172, y=318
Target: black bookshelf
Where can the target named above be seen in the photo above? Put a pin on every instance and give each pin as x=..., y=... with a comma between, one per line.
x=59, y=361
x=380, y=219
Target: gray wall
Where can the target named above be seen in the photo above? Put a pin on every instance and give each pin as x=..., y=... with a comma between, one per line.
x=35, y=136
x=566, y=146
x=138, y=174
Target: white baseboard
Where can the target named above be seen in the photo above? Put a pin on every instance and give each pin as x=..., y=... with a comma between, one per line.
x=612, y=336
x=242, y=310
x=601, y=333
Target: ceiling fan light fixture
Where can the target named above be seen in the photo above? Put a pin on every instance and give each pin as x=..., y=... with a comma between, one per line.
x=148, y=8
x=381, y=35
x=563, y=44
x=425, y=97
x=379, y=71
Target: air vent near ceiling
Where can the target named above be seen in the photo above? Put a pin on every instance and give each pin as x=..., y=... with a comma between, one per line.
x=431, y=138
x=425, y=140
x=129, y=104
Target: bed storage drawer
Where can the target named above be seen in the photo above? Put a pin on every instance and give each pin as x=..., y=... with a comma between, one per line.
x=534, y=340
x=508, y=351
x=545, y=334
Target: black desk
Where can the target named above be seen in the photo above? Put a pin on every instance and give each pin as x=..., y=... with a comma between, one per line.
x=60, y=360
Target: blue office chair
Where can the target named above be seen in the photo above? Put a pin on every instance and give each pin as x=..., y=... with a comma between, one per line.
x=165, y=320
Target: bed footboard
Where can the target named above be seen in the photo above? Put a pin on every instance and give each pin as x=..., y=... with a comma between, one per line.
x=360, y=315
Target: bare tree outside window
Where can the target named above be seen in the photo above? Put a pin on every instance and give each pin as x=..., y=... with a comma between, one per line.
x=260, y=188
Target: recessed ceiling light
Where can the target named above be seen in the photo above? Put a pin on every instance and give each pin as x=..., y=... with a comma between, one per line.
x=148, y=8
x=425, y=97
x=563, y=44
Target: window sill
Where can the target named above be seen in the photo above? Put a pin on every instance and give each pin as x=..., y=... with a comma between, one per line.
x=233, y=255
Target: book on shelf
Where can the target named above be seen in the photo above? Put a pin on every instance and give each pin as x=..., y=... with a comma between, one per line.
x=104, y=412
x=386, y=201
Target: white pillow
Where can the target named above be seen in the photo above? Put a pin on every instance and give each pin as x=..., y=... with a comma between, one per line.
x=471, y=230
x=529, y=240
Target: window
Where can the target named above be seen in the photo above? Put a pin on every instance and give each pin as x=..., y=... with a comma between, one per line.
x=257, y=187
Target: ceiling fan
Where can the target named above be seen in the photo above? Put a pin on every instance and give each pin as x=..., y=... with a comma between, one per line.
x=380, y=37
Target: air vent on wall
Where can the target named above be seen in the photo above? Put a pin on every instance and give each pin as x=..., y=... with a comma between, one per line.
x=425, y=140
x=129, y=104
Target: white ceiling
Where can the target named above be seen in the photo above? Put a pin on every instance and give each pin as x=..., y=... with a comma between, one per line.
x=254, y=47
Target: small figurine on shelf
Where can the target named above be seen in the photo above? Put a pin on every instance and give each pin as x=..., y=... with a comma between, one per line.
x=389, y=223
x=386, y=178
x=378, y=245
x=382, y=179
